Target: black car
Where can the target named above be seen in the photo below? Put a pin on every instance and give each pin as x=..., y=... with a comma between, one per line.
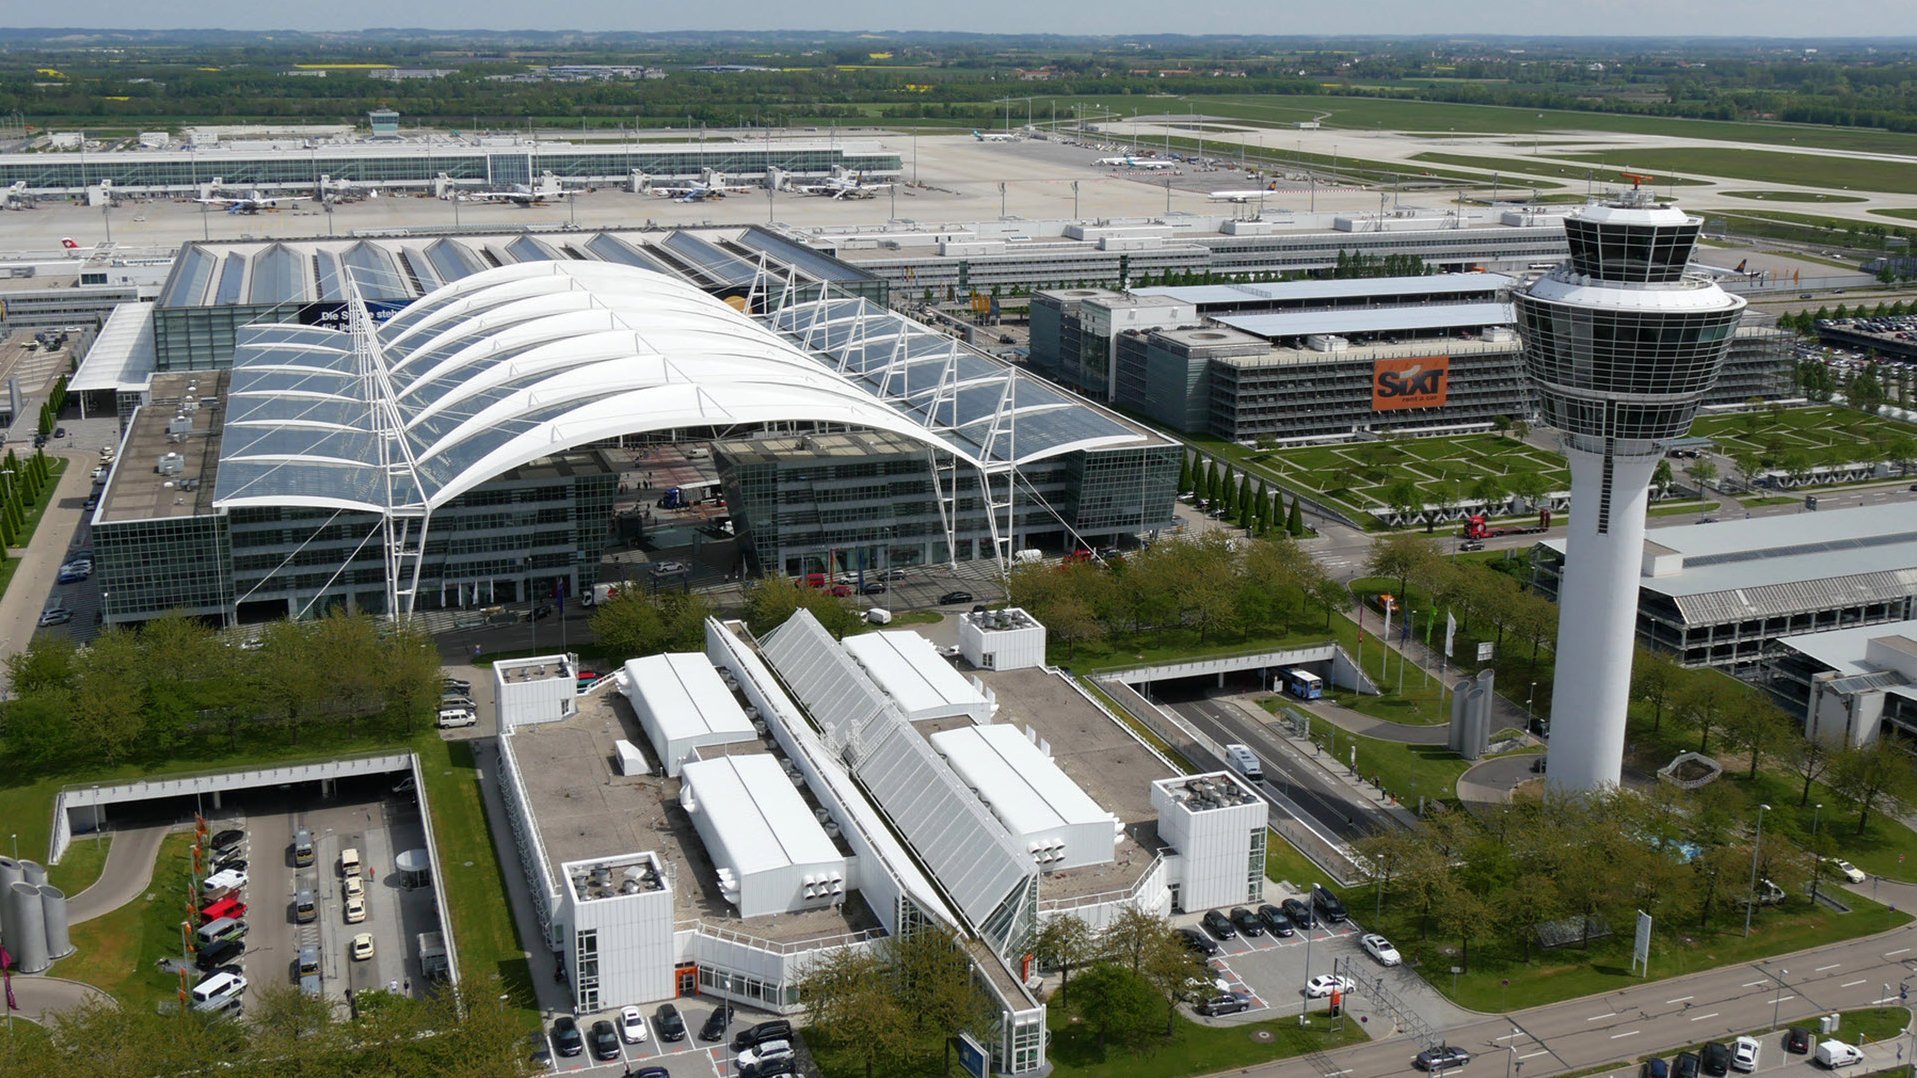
x=1247, y=922
x=652, y=1072
x=956, y=597
x=605, y=1042
x=234, y=863
x=1275, y=920
x=59, y=432
x=873, y=587
x=1221, y=1004
x=1219, y=926
x=1798, y=1040
x=565, y=1037
x=1653, y=1068
x=1198, y=941
x=1328, y=904
x=778, y=1029
x=1443, y=1057
x=714, y=1029
x=220, y=954
x=1300, y=914
x=227, y=839
x=1717, y=1059
x=666, y=1020
x=1685, y=1065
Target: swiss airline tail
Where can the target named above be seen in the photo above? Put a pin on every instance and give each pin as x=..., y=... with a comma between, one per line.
x=69, y=243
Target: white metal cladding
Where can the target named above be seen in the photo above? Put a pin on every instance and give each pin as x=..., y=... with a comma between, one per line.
x=1796, y=597
x=770, y=853
x=1059, y=824
x=508, y=366
x=122, y=355
x=967, y=850
x=917, y=678
x=682, y=704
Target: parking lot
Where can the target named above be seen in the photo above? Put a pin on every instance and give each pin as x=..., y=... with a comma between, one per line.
x=379, y=823
x=684, y=1058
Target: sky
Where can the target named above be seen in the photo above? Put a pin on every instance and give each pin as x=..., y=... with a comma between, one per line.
x=1649, y=18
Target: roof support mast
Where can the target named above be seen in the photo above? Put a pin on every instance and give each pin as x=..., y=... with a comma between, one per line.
x=406, y=513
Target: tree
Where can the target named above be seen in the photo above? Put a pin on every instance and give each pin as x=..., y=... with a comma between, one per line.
x=1655, y=679
x=1404, y=497
x=1071, y=621
x=1402, y=555
x=632, y=624
x=850, y=998
x=1874, y=776
x=1117, y=1004
x=1061, y=943
x=1756, y=727
x=1703, y=698
x=1295, y=522
x=1184, y=473
x=1530, y=486
x=1702, y=472
x=1808, y=757
x=1211, y=492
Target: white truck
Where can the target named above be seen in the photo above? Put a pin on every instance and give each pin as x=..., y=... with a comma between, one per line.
x=1835, y=1054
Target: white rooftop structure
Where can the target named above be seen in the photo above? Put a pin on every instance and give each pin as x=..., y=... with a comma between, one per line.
x=918, y=679
x=1423, y=320
x=122, y=356
x=683, y=704
x=1046, y=812
x=771, y=854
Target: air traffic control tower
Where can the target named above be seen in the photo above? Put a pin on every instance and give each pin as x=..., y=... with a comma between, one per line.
x=1621, y=345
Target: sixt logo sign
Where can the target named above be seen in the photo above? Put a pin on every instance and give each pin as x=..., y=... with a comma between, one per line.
x=1417, y=382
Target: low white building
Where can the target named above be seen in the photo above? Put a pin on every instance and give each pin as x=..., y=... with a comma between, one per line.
x=1008, y=639
x=682, y=704
x=1045, y=811
x=918, y=679
x=617, y=912
x=772, y=856
x=530, y=691
x=1217, y=826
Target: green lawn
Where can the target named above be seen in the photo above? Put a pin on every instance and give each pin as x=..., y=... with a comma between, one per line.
x=1680, y=509
x=1793, y=196
x=38, y=509
x=1192, y=1048
x=81, y=866
x=1542, y=166
x=119, y=951
x=1357, y=475
x=1285, y=864
x=1873, y=1024
x=1406, y=771
x=1821, y=436
x=1768, y=499
x=1768, y=166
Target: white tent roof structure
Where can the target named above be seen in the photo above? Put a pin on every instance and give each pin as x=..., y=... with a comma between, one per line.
x=1024, y=787
x=917, y=678
x=685, y=696
x=762, y=821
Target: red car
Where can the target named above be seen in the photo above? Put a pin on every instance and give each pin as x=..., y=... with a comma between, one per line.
x=843, y=590
x=230, y=906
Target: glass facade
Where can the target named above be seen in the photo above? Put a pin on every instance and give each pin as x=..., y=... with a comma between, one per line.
x=152, y=567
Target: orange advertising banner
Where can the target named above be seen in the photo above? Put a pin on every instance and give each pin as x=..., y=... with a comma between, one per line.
x=1413, y=382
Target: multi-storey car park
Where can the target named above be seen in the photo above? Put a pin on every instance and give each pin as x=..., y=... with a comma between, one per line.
x=465, y=450
x=828, y=797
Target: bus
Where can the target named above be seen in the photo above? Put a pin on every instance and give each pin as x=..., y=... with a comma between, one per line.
x=1304, y=684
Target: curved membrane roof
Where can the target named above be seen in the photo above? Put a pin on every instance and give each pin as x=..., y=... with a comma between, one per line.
x=510, y=365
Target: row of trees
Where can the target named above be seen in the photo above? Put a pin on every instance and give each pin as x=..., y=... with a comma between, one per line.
x=1215, y=587
x=1488, y=604
x=20, y=493
x=1258, y=511
x=287, y=1032
x=176, y=688
x=50, y=408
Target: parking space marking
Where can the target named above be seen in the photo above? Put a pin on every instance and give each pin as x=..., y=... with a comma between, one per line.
x=1895, y=953
x=1754, y=984
x=1533, y=1055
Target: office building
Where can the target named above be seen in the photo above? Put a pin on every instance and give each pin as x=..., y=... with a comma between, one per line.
x=1848, y=686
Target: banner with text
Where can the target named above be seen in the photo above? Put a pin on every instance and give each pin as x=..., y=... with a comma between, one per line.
x=1414, y=382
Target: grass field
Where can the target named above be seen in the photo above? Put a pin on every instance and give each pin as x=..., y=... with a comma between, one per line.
x=1357, y=475
x=1538, y=166
x=119, y=952
x=1192, y=1048
x=1768, y=166
x=82, y=864
x=1793, y=196
x=1805, y=437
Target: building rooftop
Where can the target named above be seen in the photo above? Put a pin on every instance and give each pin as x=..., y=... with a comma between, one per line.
x=1382, y=289
x=584, y=810
x=1366, y=320
x=137, y=489
x=917, y=678
x=1843, y=650
x=851, y=443
x=686, y=694
x=1364, y=352
x=757, y=809
x=1017, y=779
x=122, y=355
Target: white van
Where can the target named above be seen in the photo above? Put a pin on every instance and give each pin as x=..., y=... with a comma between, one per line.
x=215, y=991
x=225, y=928
x=1835, y=1054
x=349, y=862
x=223, y=883
x=450, y=717
x=1243, y=761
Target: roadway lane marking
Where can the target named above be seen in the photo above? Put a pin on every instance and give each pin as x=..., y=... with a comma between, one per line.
x=1754, y=984
x=1821, y=969
x=1680, y=999
x=1783, y=999
x=1508, y=1036
x=1602, y=1017
x=1542, y=1052
x=1853, y=984
x=1895, y=953
x=1632, y=1033
x=1701, y=1017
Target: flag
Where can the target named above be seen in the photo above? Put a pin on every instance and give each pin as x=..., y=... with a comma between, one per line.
x=1450, y=632
x=6, y=973
x=1361, y=622
x=1404, y=627
x=559, y=596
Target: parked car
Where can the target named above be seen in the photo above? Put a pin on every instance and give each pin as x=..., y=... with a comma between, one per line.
x=1328, y=905
x=873, y=587
x=1653, y=1068
x=1685, y=1065
x=362, y=946
x=1380, y=948
x=1198, y=941
x=671, y=1027
x=1247, y=922
x=1744, y=1053
x=1717, y=1059
x=1221, y=1005
x=667, y=568
x=1299, y=913
x=714, y=1028
x=1835, y=1053
x=72, y=576
x=1441, y=1057
x=565, y=1037
x=632, y=1026
x=59, y=432
x=1219, y=926
x=1326, y=983
x=605, y=1042
x=1797, y=1041
x=227, y=839
x=840, y=591
x=1275, y=920
x=956, y=597
x=59, y=615
x=778, y=1029
x=1850, y=872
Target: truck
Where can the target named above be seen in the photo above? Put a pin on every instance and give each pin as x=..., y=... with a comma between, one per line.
x=1476, y=528
x=604, y=593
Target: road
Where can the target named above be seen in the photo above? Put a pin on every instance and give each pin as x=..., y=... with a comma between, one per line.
x=124, y=877
x=1666, y=1015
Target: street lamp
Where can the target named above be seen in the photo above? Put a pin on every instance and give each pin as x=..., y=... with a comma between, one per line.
x=1304, y=1003
x=1750, y=900
x=1817, y=863
x=1777, y=998
x=1529, y=716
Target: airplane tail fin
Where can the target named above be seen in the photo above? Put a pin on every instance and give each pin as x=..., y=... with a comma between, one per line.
x=1741, y=265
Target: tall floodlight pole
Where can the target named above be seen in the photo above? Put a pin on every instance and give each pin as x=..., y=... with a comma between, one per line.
x=1757, y=844
x=1621, y=346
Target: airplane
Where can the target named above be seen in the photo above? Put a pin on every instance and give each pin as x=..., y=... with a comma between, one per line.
x=1241, y=196
x=251, y=202
x=995, y=136
x=521, y=194
x=1128, y=161
x=1720, y=271
x=710, y=184
x=843, y=184
x=16, y=196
